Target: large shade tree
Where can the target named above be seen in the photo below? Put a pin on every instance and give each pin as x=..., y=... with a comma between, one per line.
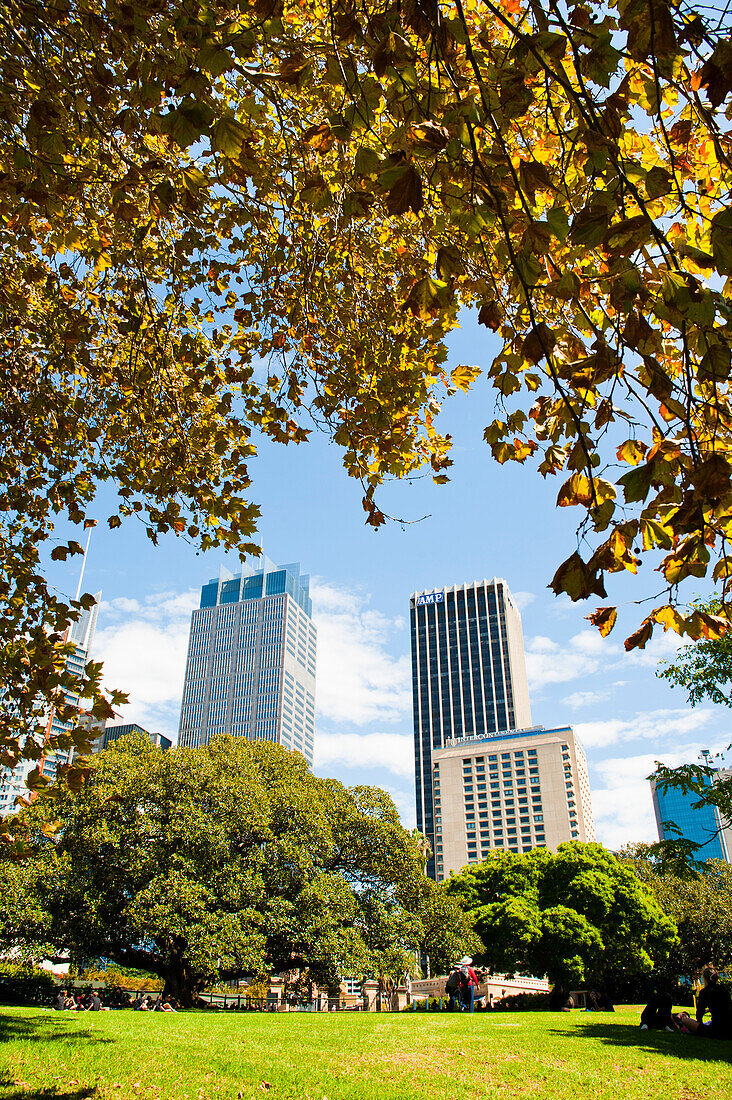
x=224, y=861
x=189, y=189
x=578, y=915
x=699, y=900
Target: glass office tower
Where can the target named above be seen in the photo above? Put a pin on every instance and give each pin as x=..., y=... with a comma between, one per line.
x=468, y=674
x=703, y=825
x=12, y=780
x=251, y=660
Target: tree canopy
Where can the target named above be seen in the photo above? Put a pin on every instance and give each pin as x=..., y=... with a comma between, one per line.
x=222, y=861
x=192, y=190
x=578, y=915
x=699, y=901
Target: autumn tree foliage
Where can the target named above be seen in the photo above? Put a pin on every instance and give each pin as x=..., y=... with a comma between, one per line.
x=188, y=190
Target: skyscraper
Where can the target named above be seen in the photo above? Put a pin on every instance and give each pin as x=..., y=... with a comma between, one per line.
x=81, y=637
x=251, y=660
x=468, y=674
x=13, y=780
x=675, y=810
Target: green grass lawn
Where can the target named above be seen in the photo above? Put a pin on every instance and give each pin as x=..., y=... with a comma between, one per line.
x=339, y=1056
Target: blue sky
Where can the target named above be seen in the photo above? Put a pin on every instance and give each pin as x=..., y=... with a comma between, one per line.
x=487, y=521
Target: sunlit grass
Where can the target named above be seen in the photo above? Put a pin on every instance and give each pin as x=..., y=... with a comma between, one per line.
x=339, y=1056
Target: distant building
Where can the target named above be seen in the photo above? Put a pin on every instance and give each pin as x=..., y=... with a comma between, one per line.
x=13, y=780
x=251, y=660
x=113, y=733
x=468, y=675
x=518, y=790
x=703, y=825
x=81, y=636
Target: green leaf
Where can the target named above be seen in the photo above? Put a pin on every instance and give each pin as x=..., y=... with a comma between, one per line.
x=229, y=136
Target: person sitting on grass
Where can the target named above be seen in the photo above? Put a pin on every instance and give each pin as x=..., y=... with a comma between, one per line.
x=714, y=999
x=70, y=1004
x=560, y=1000
x=167, y=1006
x=657, y=1013
x=61, y=1000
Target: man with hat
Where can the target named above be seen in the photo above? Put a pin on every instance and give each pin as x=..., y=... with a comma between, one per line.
x=468, y=983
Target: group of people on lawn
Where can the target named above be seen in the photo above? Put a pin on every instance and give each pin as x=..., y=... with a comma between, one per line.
x=713, y=998
x=92, y=1002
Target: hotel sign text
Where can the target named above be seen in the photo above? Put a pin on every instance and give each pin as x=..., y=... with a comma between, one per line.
x=430, y=597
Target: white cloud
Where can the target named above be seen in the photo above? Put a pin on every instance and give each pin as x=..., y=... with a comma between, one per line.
x=143, y=646
x=393, y=752
x=584, y=698
x=523, y=599
x=654, y=725
x=359, y=680
x=662, y=647
x=585, y=653
x=623, y=808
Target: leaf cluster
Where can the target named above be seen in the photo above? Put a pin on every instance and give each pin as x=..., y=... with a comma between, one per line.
x=218, y=220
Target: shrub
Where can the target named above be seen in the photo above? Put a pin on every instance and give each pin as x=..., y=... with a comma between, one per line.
x=25, y=984
x=525, y=1002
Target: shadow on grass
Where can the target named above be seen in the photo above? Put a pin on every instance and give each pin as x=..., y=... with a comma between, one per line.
x=14, y=1090
x=45, y=1028
x=670, y=1044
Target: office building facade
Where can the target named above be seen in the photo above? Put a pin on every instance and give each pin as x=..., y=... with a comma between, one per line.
x=252, y=660
x=704, y=825
x=468, y=675
x=518, y=790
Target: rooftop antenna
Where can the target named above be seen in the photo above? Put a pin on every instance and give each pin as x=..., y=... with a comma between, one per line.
x=83, y=564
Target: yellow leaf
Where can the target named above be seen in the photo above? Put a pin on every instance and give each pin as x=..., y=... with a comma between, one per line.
x=632, y=451
x=604, y=619
x=463, y=377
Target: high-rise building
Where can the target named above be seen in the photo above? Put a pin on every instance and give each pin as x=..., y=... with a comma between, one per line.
x=13, y=780
x=518, y=790
x=251, y=660
x=704, y=825
x=81, y=637
x=112, y=733
x=468, y=674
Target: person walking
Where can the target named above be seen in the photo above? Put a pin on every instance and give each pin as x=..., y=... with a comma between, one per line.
x=452, y=988
x=468, y=984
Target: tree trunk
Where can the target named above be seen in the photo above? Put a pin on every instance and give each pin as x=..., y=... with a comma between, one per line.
x=183, y=985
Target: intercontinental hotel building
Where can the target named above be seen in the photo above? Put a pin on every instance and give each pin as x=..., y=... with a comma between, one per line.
x=485, y=777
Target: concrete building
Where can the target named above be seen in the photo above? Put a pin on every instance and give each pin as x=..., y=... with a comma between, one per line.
x=251, y=660
x=518, y=790
x=677, y=815
x=468, y=675
x=114, y=732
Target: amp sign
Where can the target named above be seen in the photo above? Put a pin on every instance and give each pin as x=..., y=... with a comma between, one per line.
x=430, y=597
